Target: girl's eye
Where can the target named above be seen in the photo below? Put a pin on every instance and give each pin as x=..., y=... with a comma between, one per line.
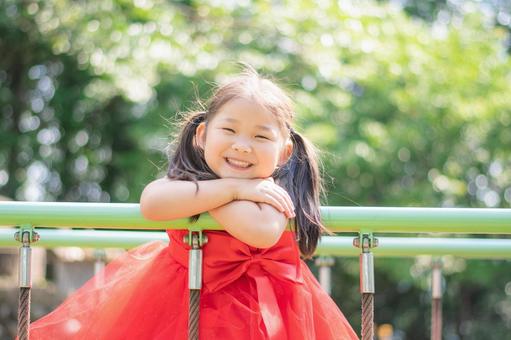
x=228, y=130
x=262, y=137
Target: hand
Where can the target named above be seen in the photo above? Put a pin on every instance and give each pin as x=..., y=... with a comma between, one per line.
x=265, y=191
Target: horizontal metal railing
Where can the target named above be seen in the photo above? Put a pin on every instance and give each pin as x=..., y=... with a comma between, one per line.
x=337, y=219
x=476, y=248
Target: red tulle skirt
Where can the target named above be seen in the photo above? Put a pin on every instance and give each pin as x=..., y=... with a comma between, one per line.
x=248, y=293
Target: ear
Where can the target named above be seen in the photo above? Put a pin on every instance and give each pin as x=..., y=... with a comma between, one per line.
x=287, y=151
x=200, y=135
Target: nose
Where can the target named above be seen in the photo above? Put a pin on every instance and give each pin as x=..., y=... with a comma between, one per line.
x=241, y=146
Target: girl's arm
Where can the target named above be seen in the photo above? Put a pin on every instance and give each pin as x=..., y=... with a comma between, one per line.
x=257, y=224
x=165, y=199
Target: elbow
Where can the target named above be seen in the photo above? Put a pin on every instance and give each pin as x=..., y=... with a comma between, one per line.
x=257, y=225
x=153, y=206
x=145, y=205
x=148, y=207
x=271, y=226
x=269, y=236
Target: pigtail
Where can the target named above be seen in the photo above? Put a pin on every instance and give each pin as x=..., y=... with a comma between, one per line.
x=187, y=162
x=301, y=178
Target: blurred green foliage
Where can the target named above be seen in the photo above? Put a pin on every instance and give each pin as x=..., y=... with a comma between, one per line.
x=407, y=113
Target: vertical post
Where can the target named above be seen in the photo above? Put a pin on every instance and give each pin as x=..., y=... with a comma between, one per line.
x=325, y=264
x=366, y=241
x=99, y=265
x=100, y=256
x=196, y=240
x=436, y=300
x=25, y=235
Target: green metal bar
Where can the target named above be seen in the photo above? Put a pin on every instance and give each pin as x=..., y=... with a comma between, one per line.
x=88, y=215
x=417, y=220
x=476, y=248
x=86, y=238
x=353, y=219
x=329, y=245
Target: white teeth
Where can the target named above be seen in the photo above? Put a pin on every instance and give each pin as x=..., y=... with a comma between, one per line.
x=241, y=164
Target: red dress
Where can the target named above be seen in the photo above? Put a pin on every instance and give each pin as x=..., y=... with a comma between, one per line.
x=248, y=293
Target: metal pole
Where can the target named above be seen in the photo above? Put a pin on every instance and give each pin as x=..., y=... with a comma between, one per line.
x=99, y=274
x=196, y=240
x=325, y=264
x=25, y=235
x=436, y=300
x=366, y=241
x=346, y=219
x=100, y=256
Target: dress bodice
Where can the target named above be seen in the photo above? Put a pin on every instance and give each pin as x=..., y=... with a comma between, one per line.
x=226, y=258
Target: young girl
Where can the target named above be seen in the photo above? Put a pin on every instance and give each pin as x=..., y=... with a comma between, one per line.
x=242, y=162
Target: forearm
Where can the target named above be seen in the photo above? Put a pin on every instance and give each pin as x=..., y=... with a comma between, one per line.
x=165, y=199
x=259, y=225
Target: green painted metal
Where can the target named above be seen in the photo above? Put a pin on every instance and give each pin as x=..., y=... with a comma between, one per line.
x=85, y=238
x=475, y=248
x=88, y=215
x=352, y=219
x=418, y=220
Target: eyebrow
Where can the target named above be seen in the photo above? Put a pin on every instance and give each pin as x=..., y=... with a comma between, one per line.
x=262, y=127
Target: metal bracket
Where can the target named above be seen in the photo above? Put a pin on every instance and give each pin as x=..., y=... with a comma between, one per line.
x=196, y=239
x=25, y=235
x=366, y=241
x=195, y=242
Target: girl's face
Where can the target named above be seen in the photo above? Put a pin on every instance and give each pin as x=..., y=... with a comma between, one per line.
x=243, y=140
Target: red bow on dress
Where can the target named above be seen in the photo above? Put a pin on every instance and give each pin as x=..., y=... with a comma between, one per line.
x=226, y=259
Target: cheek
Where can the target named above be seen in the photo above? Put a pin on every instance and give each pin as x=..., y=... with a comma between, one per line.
x=213, y=142
x=271, y=154
x=214, y=149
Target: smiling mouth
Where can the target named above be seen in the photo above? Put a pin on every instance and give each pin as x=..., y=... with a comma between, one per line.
x=237, y=164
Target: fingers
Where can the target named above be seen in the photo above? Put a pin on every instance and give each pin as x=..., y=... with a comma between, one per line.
x=278, y=193
x=267, y=191
x=276, y=203
x=284, y=196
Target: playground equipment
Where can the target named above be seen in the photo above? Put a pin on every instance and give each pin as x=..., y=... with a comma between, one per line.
x=366, y=221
